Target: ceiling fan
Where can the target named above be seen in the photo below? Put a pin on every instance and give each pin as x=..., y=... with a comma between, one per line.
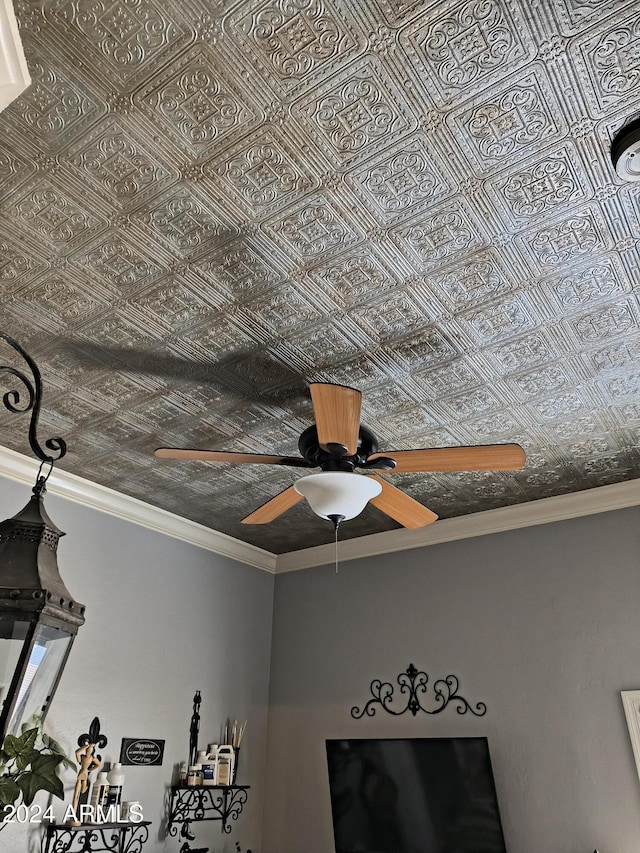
x=339, y=444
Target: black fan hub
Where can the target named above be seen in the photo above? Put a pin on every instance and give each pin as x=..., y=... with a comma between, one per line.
x=381, y=463
x=334, y=458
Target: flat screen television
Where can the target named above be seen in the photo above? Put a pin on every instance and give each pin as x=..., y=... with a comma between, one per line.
x=414, y=795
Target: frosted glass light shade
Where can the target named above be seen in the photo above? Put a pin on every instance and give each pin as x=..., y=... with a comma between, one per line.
x=337, y=493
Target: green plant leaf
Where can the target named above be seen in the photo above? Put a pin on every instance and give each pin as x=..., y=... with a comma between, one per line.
x=28, y=764
x=9, y=793
x=41, y=777
x=14, y=746
x=55, y=749
x=34, y=722
x=24, y=759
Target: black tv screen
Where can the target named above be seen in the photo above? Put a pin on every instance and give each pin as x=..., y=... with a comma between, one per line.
x=414, y=795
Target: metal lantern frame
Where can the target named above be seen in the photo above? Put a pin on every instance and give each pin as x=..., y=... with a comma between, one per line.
x=35, y=604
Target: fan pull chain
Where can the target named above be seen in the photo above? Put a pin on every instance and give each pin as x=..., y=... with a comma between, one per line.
x=336, y=519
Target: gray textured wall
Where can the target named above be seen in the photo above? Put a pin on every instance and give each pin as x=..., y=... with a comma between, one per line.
x=164, y=618
x=541, y=624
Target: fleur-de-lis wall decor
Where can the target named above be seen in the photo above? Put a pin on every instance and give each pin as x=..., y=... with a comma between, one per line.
x=414, y=684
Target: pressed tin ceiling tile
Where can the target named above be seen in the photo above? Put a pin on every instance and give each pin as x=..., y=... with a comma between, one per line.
x=57, y=106
x=464, y=45
x=295, y=45
x=206, y=205
x=194, y=105
x=18, y=264
x=436, y=237
x=509, y=122
x=14, y=170
x=355, y=277
x=313, y=229
x=477, y=279
x=607, y=60
x=262, y=172
x=61, y=296
x=407, y=178
x=239, y=268
x=121, y=39
x=538, y=187
x=118, y=165
x=49, y=213
x=359, y=112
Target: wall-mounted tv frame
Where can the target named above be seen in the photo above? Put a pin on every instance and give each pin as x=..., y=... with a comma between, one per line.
x=413, y=795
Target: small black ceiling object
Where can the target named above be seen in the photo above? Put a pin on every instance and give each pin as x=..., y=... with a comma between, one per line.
x=625, y=152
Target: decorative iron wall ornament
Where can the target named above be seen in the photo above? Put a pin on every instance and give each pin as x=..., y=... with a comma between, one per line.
x=14, y=402
x=218, y=803
x=415, y=683
x=93, y=736
x=110, y=838
x=194, y=728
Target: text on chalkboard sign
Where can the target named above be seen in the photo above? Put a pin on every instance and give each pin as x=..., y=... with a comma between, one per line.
x=144, y=752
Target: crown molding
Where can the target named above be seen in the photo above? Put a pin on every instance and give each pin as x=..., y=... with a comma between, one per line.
x=14, y=73
x=543, y=511
x=23, y=469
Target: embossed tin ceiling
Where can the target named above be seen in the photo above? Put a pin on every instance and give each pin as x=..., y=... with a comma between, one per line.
x=205, y=205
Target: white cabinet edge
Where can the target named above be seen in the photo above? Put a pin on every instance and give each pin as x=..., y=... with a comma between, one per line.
x=631, y=704
x=14, y=72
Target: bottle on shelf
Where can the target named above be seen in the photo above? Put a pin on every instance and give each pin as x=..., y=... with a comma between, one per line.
x=99, y=795
x=115, y=777
x=226, y=759
x=210, y=765
x=194, y=779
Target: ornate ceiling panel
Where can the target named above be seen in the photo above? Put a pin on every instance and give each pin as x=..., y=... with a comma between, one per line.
x=206, y=205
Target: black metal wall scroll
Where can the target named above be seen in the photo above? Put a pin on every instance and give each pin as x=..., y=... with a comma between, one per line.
x=415, y=683
x=14, y=401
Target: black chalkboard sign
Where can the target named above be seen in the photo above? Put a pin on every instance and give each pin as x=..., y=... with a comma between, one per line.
x=142, y=751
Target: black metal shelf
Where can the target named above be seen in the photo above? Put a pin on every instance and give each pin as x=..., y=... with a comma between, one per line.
x=205, y=802
x=96, y=837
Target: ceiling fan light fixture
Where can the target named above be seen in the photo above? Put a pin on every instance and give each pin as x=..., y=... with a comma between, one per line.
x=337, y=493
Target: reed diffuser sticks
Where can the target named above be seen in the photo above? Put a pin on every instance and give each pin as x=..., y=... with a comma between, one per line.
x=233, y=733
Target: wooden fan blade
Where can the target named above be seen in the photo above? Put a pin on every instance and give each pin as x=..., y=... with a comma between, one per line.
x=337, y=413
x=274, y=507
x=229, y=456
x=401, y=507
x=485, y=457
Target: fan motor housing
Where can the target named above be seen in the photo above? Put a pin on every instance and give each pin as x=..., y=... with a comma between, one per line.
x=310, y=450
